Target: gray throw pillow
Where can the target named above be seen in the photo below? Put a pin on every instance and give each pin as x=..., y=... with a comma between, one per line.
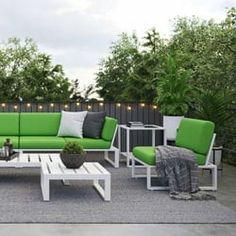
x=93, y=124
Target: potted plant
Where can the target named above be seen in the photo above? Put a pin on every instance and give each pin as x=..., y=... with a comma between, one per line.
x=72, y=155
x=173, y=96
x=215, y=106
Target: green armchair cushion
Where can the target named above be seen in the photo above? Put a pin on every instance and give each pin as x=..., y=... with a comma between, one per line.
x=147, y=155
x=91, y=143
x=41, y=142
x=9, y=123
x=39, y=124
x=109, y=128
x=195, y=135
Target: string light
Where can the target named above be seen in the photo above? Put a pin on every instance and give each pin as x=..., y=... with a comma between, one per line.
x=77, y=104
x=51, y=105
x=118, y=104
x=154, y=107
x=142, y=104
x=3, y=104
x=129, y=108
x=66, y=106
x=89, y=107
x=101, y=104
x=40, y=107
x=28, y=104
x=15, y=107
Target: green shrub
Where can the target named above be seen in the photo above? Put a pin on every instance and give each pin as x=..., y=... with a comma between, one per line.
x=174, y=90
x=73, y=147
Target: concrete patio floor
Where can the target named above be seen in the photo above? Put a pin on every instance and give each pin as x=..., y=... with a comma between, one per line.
x=117, y=230
x=226, y=195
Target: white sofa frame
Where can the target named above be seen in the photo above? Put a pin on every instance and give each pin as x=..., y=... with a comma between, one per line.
x=149, y=168
x=114, y=163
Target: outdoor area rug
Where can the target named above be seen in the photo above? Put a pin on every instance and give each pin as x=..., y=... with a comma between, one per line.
x=21, y=202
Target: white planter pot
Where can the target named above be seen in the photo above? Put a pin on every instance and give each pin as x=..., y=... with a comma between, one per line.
x=218, y=155
x=171, y=124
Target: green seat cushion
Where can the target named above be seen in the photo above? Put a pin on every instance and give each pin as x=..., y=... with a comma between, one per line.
x=14, y=140
x=90, y=143
x=147, y=155
x=109, y=128
x=41, y=142
x=195, y=135
x=9, y=123
x=39, y=124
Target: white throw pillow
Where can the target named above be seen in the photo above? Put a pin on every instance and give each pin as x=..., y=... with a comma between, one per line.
x=72, y=124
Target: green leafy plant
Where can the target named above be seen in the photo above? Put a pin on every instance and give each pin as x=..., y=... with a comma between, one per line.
x=173, y=89
x=214, y=106
x=73, y=147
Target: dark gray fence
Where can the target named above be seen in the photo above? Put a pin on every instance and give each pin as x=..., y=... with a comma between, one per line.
x=124, y=112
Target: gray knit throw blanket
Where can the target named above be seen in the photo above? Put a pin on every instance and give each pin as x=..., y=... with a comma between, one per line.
x=179, y=166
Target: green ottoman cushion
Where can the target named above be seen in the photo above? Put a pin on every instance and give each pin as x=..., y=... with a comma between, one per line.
x=41, y=142
x=145, y=154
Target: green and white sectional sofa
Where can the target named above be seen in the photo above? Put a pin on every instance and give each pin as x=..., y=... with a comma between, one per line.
x=38, y=131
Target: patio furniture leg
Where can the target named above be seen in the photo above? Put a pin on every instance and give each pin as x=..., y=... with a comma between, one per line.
x=106, y=154
x=117, y=158
x=106, y=191
x=133, y=167
x=115, y=163
x=213, y=169
x=45, y=187
x=149, y=181
x=214, y=177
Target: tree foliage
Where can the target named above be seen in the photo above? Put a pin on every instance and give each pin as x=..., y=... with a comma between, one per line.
x=174, y=90
x=130, y=72
x=114, y=70
x=207, y=49
x=81, y=95
x=27, y=73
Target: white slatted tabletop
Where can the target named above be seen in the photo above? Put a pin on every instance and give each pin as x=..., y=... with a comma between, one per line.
x=30, y=160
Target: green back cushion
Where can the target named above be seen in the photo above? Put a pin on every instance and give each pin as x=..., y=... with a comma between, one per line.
x=39, y=124
x=195, y=135
x=9, y=123
x=109, y=128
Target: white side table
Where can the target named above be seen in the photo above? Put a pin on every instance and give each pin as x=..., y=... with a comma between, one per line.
x=150, y=127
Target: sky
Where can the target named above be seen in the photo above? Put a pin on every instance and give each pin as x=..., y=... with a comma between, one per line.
x=78, y=33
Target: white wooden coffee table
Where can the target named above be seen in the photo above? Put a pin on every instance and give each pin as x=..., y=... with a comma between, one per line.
x=53, y=169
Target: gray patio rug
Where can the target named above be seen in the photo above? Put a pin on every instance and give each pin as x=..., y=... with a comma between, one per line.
x=21, y=202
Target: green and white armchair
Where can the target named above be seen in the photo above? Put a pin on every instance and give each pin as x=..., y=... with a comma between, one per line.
x=193, y=134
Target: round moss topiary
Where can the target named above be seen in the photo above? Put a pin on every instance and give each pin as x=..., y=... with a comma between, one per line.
x=72, y=155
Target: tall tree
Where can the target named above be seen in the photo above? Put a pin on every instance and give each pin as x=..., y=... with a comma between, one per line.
x=208, y=49
x=143, y=78
x=27, y=73
x=114, y=70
